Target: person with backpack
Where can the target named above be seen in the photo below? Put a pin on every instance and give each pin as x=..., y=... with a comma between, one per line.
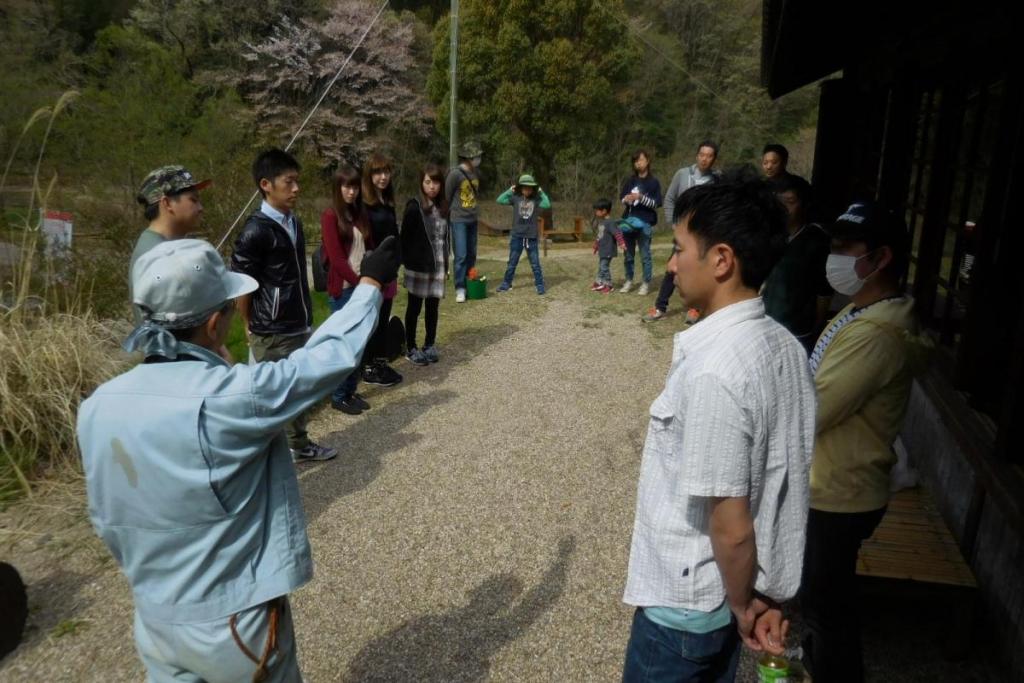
x=460, y=191
x=641, y=197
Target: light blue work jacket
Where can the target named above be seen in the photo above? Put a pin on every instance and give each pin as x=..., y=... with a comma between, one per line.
x=190, y=480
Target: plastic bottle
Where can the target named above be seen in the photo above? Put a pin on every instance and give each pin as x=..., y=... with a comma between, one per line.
x=777, y=668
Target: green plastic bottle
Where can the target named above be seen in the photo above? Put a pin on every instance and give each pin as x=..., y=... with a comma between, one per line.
x=773, y=669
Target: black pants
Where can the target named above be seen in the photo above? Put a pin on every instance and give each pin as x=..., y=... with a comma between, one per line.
x=668, y=285
x=412, y=317
x=829, y=598
x=377, y=347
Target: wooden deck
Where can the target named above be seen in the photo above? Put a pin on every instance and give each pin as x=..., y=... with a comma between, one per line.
x=913, y=543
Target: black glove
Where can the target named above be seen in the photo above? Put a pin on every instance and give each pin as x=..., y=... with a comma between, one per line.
x=382, y=264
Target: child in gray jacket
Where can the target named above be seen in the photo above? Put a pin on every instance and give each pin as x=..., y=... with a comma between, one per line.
x=606, y=245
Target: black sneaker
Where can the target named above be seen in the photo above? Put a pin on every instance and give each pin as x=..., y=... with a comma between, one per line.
x=381, y=374
x=349, y=406
x=358, y=400
x=313, y=452
x=393, y=376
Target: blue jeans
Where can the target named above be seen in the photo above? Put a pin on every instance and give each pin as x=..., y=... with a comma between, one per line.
x=348, y=385
x=632, y=240
x=657, y=653
x=464, y=241
x=515, y=250
x=604, y=270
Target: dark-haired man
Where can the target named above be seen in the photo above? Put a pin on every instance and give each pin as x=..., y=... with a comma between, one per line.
x=775, y=164
x=722, y=498
x=863, y=366
x=693, y=175
x=271, y=249
x=797, y=293
x=170, y=203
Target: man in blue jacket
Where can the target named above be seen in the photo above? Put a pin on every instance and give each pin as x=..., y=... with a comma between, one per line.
x=188, y=472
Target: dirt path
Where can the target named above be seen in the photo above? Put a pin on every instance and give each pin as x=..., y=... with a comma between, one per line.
x=476, y=524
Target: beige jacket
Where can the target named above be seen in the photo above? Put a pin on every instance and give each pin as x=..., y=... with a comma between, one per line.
x=863, y=384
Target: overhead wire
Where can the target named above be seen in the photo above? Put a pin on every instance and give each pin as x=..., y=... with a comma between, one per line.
x=309, y=116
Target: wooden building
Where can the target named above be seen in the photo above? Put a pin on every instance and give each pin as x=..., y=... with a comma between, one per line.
x=923, y=107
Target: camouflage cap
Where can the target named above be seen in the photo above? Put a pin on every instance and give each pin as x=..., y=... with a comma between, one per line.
x=168, y=180
x=470, y=149
x=526, y=180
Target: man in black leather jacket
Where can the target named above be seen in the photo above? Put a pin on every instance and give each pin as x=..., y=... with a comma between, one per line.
x=271, y=249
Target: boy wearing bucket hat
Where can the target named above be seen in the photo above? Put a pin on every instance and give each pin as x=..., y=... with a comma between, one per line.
x=527, y=200
x=170, y=202
x=460, y=190
x=188, y=472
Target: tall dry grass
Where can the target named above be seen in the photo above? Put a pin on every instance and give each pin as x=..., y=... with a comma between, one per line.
x=49, y=363
x=53, y=348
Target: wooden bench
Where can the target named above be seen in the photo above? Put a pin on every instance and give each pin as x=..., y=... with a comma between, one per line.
x=576, y=233
x=486, y=228
x=913, y=543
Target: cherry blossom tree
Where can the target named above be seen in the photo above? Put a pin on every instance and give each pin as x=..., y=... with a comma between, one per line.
x=374, y=105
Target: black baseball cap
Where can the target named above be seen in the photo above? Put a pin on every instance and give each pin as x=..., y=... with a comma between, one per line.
x=873, y=224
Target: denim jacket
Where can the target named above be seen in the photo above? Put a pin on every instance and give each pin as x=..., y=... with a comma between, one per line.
x=189, y=477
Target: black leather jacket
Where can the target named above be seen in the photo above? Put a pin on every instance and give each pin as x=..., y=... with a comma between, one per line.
x=265, y=251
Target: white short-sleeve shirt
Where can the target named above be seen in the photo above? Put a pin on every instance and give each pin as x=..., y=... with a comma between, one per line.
x=736, y=418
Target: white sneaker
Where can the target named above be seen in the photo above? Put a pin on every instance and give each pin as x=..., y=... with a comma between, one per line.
x=626, y=286
x=460, y=296
x=644, y=288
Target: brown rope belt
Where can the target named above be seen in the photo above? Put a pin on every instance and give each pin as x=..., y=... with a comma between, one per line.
x=274, y=609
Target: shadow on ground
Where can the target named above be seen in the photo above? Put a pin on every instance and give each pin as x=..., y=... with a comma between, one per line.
x=362, y=447
x=460, y=347
x=457, y=645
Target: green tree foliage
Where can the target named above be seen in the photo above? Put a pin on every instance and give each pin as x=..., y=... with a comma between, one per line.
x=554, y=86
x=37, y=65
x=718, y=45
x=85, y=18
x=210, y=34
x=135, y=109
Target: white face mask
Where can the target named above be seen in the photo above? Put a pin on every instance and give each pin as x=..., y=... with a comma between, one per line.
x=841, y=272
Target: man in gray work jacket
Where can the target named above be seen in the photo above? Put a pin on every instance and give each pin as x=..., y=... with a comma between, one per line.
x=189, y=477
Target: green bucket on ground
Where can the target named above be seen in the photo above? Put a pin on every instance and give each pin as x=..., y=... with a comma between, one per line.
x=476, y=289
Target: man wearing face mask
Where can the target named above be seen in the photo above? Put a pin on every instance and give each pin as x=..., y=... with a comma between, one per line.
x=863, y=365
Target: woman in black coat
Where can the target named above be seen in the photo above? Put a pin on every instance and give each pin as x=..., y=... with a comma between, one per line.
x=378, y=195
x=424, y=240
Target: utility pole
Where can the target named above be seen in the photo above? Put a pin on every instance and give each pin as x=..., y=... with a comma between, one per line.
x=453, y=119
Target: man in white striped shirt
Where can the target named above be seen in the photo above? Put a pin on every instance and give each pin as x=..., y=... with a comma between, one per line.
x=722, y=499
